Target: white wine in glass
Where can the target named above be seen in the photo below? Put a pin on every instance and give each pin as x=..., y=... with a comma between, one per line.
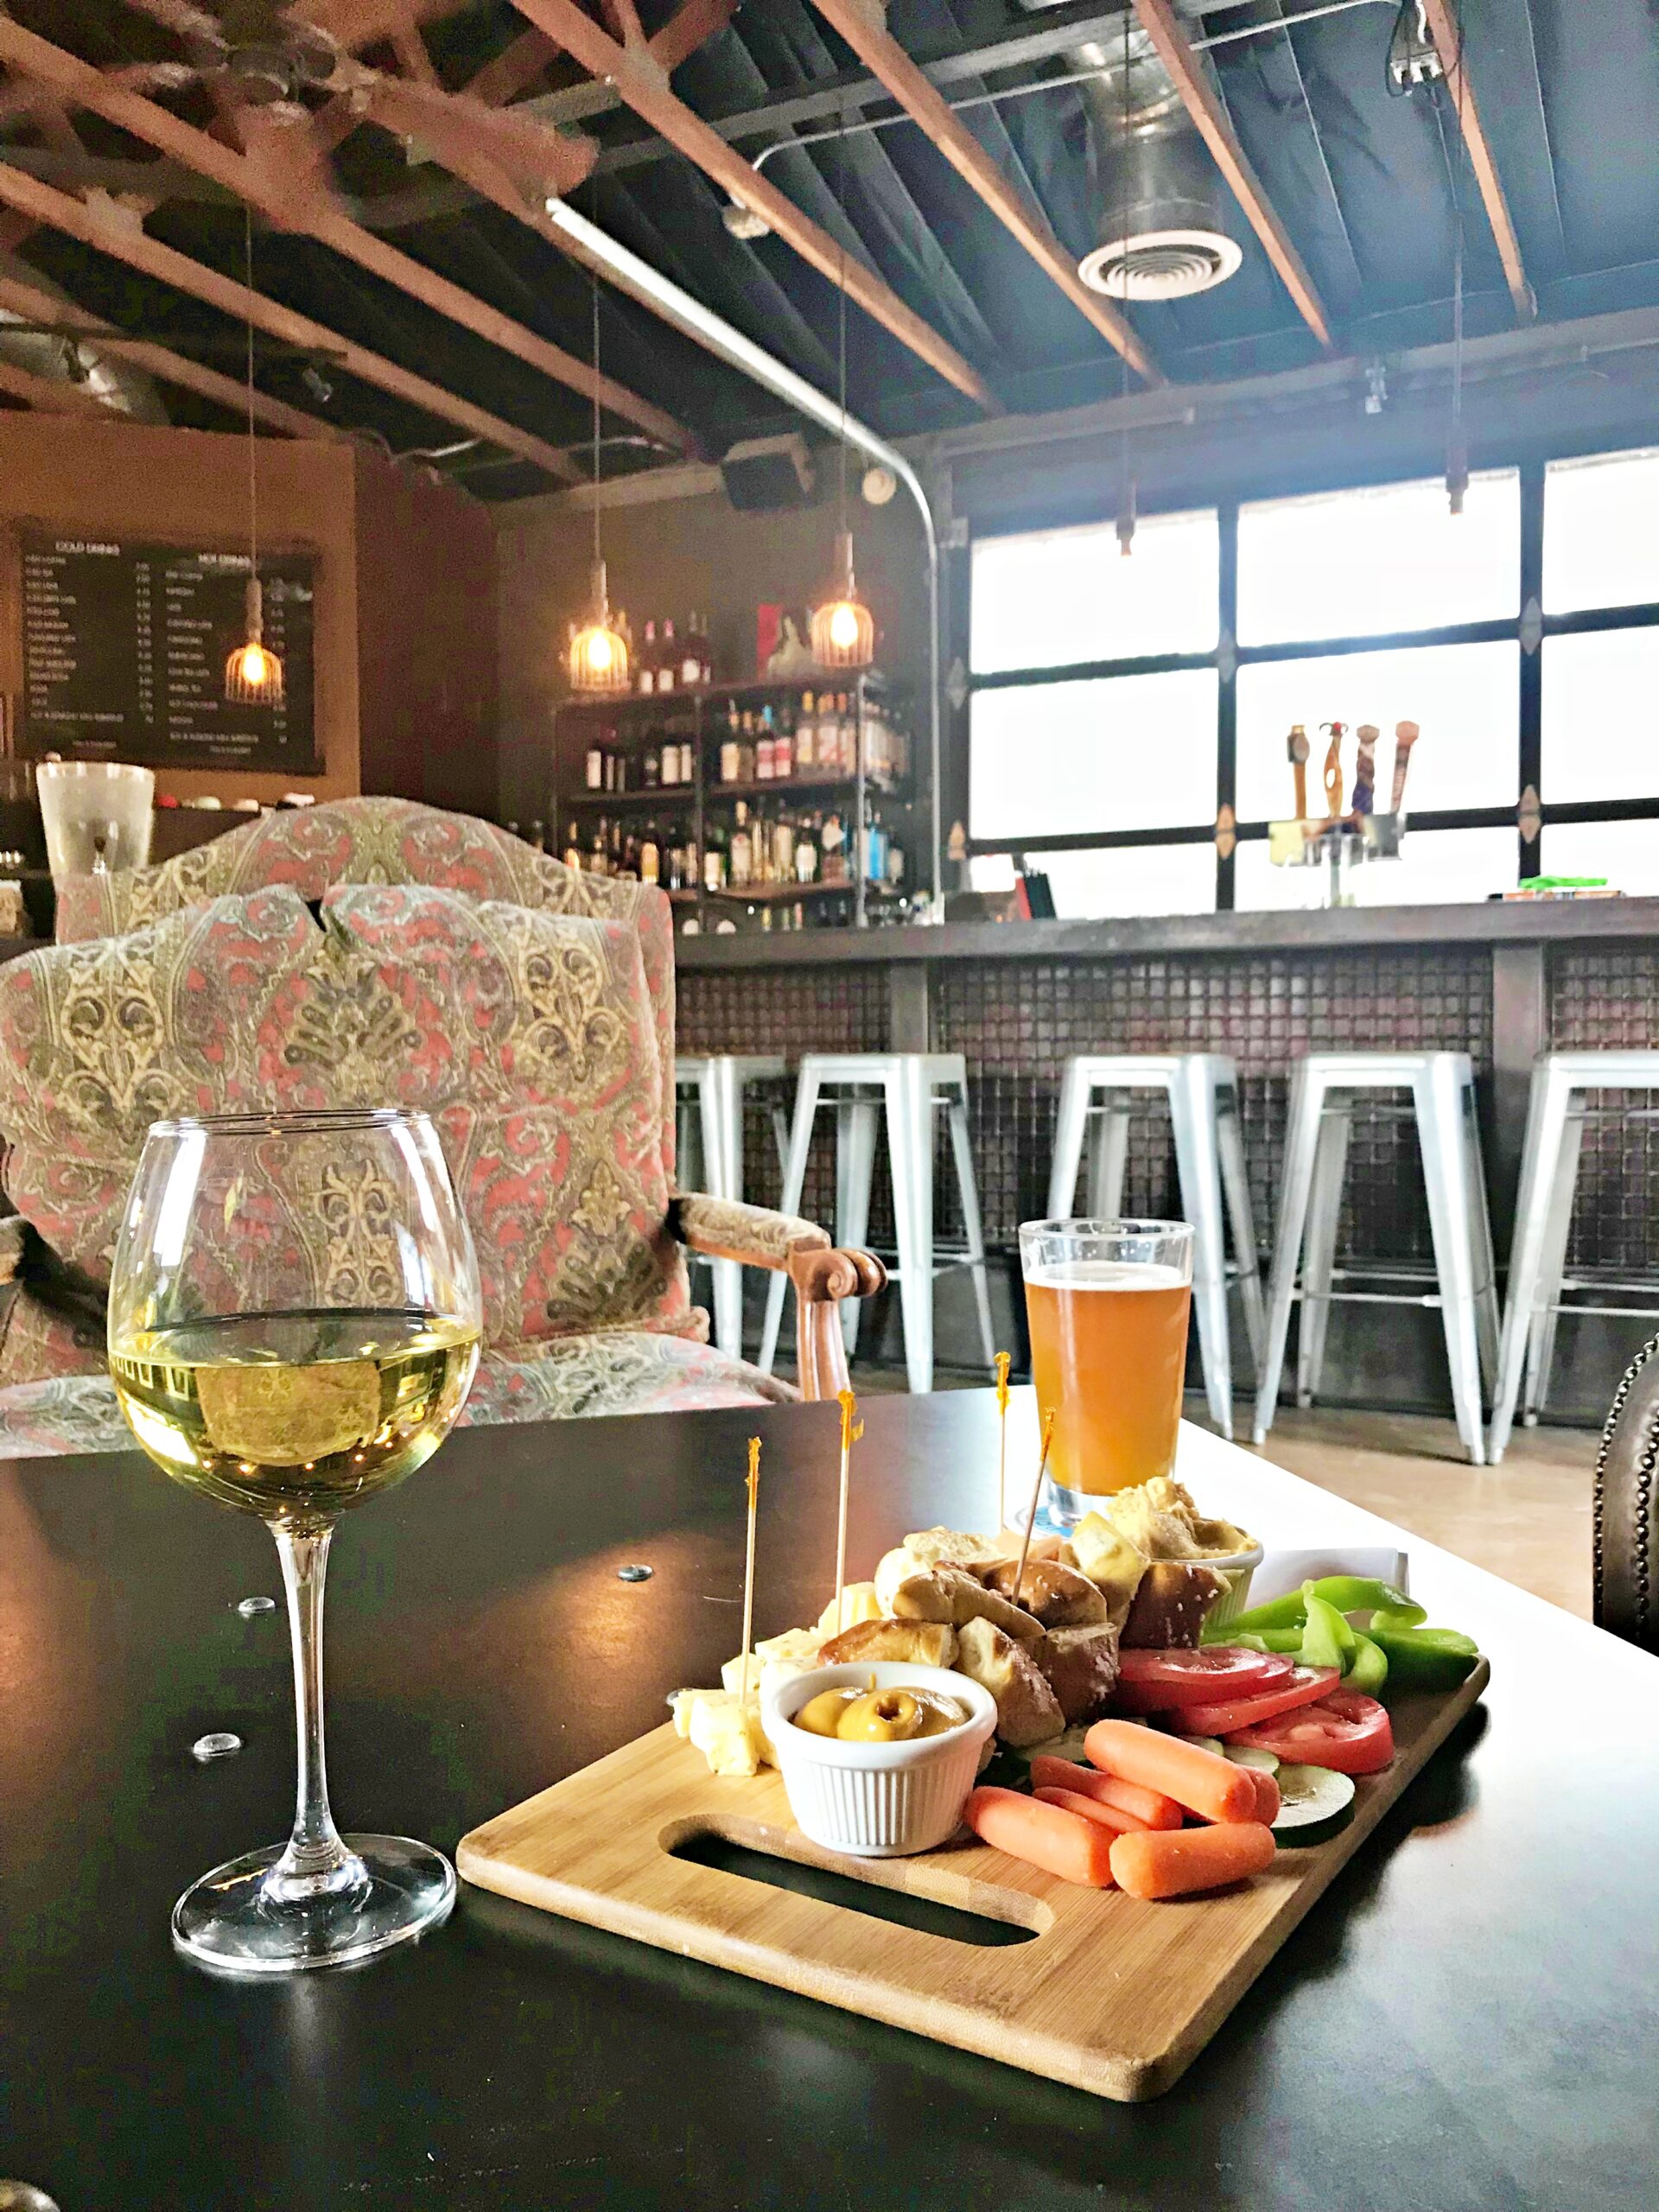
x=293, y=1325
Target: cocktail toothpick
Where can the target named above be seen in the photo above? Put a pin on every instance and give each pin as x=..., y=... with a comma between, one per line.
x=849, y=1436
x=752, y=1483
x=1003, y=1361
x=1036, y=1493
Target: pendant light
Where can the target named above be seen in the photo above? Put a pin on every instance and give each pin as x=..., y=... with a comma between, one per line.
x=253, y=674
x=842, y=630
x=1457, y=447
x=1126, y=486
x=598, y=662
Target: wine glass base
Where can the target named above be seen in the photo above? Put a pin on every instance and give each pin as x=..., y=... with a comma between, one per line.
x=225, y=1921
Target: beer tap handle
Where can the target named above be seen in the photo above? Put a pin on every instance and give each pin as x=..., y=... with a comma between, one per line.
x=1405, y=736
x=1297, y=748
x=1333, y=770
x=1366, y=770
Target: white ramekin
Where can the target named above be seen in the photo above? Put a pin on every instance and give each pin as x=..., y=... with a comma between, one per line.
x=1238, y=1567
x=878, y=1801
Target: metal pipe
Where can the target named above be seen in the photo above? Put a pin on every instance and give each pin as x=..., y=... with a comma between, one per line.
x=596, y=249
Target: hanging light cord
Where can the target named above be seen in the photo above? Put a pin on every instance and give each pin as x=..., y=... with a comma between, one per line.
x=1452, y=168
x=841, y=334
x=1125, y=493
x=592, y=279
x=253, y=464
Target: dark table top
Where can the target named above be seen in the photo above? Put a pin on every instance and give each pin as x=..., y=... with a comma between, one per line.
x=1466, y=2019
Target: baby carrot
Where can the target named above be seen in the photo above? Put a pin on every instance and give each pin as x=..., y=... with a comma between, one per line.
x=1089, y=1808
x=1270, y=1799
x=1194, y=1777
x=1170, y=1862
x=1048, y=1836
x=1150, y=1808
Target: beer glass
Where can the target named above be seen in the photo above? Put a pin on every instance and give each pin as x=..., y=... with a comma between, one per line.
x=1108, y=1303
x=294, y=1324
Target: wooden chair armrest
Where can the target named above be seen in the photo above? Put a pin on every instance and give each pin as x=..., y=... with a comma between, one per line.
x=724, y=1228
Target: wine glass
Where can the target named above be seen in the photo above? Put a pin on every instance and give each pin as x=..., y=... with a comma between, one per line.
x=294, y=1324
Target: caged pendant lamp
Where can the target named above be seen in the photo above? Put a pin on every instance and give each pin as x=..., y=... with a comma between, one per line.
x=843, y=631
x=598, y=661
x=253, y=674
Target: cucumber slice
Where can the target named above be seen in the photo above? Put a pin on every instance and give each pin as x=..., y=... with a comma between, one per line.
x=1242, y=1755
x=1311, y=1796
x=1208, y=1743
x=1068, y=1747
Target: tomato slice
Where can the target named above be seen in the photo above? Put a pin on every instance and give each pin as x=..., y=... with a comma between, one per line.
x=1347, y=1732
x=1159, y=1681
x=1303, y=1686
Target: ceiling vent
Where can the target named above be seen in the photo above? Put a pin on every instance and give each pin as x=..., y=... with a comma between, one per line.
x=1159, y=231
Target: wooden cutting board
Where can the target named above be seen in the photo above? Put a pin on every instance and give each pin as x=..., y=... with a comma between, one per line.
x=1111, y=1996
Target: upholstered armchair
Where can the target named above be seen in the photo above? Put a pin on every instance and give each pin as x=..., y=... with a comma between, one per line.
x=378, y=952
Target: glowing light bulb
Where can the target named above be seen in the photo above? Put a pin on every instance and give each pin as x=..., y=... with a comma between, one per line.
x=843, y=626
x=254, y=668
x=599, y=653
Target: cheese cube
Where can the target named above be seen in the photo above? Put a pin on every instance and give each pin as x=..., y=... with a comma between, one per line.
x=861, y=1604
x=727, y=1732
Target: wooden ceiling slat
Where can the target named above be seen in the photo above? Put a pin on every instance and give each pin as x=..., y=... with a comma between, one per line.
x=125, y=241
x=1447, y=34
x=885, y=59
x=1203, y=104
x=643, y=83
x=70, y=78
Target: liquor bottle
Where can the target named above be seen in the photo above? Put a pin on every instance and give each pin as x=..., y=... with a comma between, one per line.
x=783, y=850
x=783, y=751
x=599, y=851
x=668, y=660
x=832, y=847
x=713, y=858
x=746, y=768
x=651, y=855
x=705, y=653
x=652, y=762
x=742, y=857
x=826, y=744
x=691, y=659
x=731, y=749
x=806, y=733
x=572, y=849
x=669, y=767
x=648, y=660
x=688, y=764
x=538, y=836
x=765, y=750
x=594, y=768
x=806, y=852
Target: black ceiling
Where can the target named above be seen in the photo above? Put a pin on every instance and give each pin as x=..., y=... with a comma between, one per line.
x=1568, y=91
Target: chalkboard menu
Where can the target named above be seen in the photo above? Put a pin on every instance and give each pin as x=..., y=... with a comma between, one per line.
x=125, y=649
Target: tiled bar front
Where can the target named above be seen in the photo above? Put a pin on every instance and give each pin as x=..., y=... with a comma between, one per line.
x=1502, y=983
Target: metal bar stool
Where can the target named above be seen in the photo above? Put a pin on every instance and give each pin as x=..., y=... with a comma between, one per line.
x=1543, y=1222
x=1323, y=1092
x=709, y=1110
x=1202, y=1092
x=910, y=1087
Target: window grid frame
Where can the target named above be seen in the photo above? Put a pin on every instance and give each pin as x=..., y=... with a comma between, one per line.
x=1229, y=657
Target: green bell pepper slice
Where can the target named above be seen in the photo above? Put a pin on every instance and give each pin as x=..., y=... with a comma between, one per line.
x=1327, y=1640
x=1369, y=1669
x=1359, y=1593
x=1286, y=1612
x=1424, y=1658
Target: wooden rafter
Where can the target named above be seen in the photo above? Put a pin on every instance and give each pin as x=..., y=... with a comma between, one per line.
x=1446, y=31
x=693, y=24
x=885, y=60
x=77, y=82
x=127, y=242
x=36, y=306
x=1203, y=104
x=641, y=81
x=520, y=63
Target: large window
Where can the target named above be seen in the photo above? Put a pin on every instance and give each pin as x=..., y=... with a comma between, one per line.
x=1117, y=706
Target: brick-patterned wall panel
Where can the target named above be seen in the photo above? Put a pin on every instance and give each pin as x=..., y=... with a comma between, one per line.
x=791, y=1011
x=1018, y=1022
x=1605, y=999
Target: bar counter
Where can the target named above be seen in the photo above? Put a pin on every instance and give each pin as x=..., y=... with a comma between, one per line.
x=1501, y=981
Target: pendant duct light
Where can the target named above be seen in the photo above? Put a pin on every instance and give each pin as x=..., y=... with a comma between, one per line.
x=253, y=674
x=598, y=660
x=842, y=630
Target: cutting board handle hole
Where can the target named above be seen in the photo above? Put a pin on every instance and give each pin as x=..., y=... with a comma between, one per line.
x=875, y=1895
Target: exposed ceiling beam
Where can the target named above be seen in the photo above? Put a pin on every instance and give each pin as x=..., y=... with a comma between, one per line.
x=1447, y=33
x=52, y=395
x=643, y=84
x=354, y=23
x=44, y=307
x=887, y=59
x=125, y=241
x=693, y=24
x=267, y=189
x=515, y=69
x=1203, y=103
x=85, y=172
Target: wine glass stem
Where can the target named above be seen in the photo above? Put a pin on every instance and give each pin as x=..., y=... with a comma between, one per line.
x=316, y=1863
